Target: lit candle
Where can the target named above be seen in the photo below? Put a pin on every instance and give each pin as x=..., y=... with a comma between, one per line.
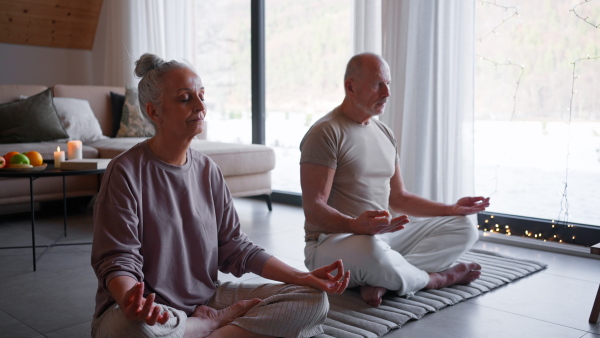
x=75, y=150
x=59, y=156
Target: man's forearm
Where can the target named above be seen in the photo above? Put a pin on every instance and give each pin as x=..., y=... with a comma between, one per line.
x=327, y=219
x=414, y=205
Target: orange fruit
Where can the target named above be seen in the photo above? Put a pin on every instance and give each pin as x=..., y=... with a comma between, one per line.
x=35, y=158
x=9, y=155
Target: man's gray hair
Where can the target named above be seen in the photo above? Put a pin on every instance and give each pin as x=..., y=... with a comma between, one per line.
x=355, y=65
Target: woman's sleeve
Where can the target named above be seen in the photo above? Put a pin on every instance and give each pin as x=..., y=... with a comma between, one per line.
x=116, y=246
x=237, y=254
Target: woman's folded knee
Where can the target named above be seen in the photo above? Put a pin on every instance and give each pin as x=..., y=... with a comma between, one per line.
x=113, y=323
x=294, y=311
x=316, y=299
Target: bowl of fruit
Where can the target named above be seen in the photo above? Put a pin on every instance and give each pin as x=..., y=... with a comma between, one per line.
x=29, y=161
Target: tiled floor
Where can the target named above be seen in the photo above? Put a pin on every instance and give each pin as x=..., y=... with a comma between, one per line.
x=58, y=299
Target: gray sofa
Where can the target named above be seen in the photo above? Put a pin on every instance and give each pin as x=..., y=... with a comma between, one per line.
x=246, y=168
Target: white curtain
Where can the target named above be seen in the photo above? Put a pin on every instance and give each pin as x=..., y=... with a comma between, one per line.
x=130, y=28
x=367, y=26
x=429, y=45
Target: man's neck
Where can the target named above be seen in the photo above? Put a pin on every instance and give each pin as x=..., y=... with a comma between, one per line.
x=354, y=113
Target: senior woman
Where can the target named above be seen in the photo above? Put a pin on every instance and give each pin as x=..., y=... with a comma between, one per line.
x=165, y=223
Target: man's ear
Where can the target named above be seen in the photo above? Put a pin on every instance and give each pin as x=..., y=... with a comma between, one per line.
x=349, y=86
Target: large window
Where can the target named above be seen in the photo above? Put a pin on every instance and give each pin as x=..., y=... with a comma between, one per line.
x=537, y=128
x=222, y=59
x=307, y=46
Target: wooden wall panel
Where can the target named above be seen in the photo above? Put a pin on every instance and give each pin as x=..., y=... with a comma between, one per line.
x=50, y=23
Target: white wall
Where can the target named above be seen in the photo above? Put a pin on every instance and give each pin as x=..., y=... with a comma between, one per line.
x=22, y=64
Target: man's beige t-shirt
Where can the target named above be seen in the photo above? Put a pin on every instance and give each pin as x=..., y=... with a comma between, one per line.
x=364, y=158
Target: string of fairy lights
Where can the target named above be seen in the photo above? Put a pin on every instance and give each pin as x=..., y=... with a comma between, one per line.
x=585, y=19
x=513, y=14
x=511, y=9
x=562, y=221
x=563, y=215
x=517, y=84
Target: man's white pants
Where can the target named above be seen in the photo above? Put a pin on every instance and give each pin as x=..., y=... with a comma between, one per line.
x=398, y=261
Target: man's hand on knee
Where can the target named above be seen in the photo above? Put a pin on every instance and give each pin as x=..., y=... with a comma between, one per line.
x=470, y=205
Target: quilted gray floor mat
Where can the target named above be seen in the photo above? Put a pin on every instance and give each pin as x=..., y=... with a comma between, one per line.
x=349, y=316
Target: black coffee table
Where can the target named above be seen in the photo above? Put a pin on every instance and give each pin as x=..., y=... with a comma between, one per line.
x=50, y=171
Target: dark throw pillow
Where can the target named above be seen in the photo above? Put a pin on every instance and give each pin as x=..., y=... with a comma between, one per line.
x=117, y=101
x=31, y=120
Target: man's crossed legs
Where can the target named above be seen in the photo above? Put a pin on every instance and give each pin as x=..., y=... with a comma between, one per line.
x=420, y=256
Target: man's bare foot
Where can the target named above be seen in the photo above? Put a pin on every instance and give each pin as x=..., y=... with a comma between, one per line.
x=211, y=319
x=462, y=273
x=372, y=295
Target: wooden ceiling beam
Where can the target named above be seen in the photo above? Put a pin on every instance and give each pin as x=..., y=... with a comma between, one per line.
x=51, y=23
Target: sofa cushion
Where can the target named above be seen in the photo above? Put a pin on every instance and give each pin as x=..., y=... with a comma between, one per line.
x=237, y=159
x=133, y=123
x=233, y=159
x=249, y=185
x=97, y=96
x=31, y=120
x=112, y=147
x=78, y=119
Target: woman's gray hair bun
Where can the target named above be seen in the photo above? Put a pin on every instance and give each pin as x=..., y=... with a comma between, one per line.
x=146, y=63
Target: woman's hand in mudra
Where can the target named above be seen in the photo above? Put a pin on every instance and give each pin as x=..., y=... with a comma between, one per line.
x=209, y=319
x=137, y=308
x=322, y=279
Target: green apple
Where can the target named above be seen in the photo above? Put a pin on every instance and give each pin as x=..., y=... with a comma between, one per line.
x=19, y=159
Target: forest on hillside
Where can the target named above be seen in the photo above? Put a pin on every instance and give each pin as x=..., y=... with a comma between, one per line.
x=545, y=37
x=307, y=46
